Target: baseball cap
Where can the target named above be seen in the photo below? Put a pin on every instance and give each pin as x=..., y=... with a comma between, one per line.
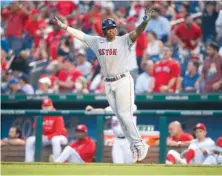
x=81, y=52
x=200, y=126
x=47, y=102
x=13, y=81
x=219, y=142
x=45, y=80
x=82, y=127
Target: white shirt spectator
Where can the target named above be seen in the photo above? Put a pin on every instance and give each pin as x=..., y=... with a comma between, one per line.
x=220, y=51
x=28, y=89
x=142, y=83
x=85, y=68
x=160, y=26
x=218, y=24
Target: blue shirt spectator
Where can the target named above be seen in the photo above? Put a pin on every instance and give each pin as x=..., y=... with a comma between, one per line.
x=191, y=76
x=160, y=25
x=144, y=82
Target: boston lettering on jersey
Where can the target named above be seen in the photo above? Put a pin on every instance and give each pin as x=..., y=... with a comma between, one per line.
x=107, y=51
x=164, y=69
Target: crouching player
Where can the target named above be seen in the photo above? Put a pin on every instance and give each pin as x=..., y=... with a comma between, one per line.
x=82, y=150
x=54, y=133
x=198, y=150
x=216, y=157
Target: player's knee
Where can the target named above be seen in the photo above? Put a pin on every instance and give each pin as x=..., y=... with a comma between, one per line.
x=30, y=141
x=174, y=153
x=55, y=140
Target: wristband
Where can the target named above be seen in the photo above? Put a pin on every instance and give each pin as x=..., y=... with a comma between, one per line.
x=145, y=18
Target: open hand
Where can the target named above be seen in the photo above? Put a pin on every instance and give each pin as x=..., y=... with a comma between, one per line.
x=148, y=14
x=60, y=24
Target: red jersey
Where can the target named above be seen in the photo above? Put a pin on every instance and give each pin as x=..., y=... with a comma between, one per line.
x=65, y=7
x=71, y=75
x=86, y=148
x=184, y=137
x=53, y=126
x=53, y=42
x=15, y=22
x=164, y=71
x=141, y=44
x=187, y=34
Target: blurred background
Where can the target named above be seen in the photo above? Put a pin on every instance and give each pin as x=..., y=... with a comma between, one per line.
x=39, y=60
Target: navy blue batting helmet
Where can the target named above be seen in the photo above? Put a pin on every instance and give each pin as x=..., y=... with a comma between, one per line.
x=107, y=23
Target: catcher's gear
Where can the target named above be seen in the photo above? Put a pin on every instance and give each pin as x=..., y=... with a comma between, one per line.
x=107, y=23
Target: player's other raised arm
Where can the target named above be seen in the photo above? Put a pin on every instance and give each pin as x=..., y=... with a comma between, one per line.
x=76, y=33
x=136, y=33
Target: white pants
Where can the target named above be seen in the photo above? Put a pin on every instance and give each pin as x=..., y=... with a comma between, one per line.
x=120, y=95
x=69, y=154
x=213, y=160
x=121, y=152
x=199, y=157
x=56, y=143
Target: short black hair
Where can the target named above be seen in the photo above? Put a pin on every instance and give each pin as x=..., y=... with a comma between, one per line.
x=196, y=63
x=18, y=131
x=214, y=45
x=157, y=9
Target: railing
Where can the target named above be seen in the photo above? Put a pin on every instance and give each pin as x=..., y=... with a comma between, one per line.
x=161, y=114
x=94, y=97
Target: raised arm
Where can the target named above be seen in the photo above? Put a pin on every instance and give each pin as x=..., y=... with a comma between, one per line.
x=136, y=33
x=76, y=33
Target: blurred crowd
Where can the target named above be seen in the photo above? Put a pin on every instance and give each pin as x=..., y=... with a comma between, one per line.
x=37, y=57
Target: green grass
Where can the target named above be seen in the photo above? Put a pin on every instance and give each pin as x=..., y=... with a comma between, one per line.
x=105, y=169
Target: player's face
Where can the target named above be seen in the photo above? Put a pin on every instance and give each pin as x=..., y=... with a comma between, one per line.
x=210, y=51
x=200, y=134
x=47, y=108
x=190, y=67
x=111, y=32
x=12, y=133
x=80, y=135
x=166, y=52
x=172, y=130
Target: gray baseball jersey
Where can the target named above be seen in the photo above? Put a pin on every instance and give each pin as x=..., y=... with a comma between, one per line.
x=113, y=56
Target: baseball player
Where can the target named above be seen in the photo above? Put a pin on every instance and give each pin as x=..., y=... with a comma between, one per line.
x=80, y=151
x=121, y=152
x=216, y=156
x=54, y=133
x=113, y=55
x=198, y=149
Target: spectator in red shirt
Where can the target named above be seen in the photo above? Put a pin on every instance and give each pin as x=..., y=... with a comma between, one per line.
x=65, y=8
x=82, y=150
x=67, y=75
x=212, y=70
x=34, y=27
x=54, y=133
x=15, y=17
x=177, y=136
x=189, y=35
x=141, y=45
x=166, y=73
x=52, y=41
